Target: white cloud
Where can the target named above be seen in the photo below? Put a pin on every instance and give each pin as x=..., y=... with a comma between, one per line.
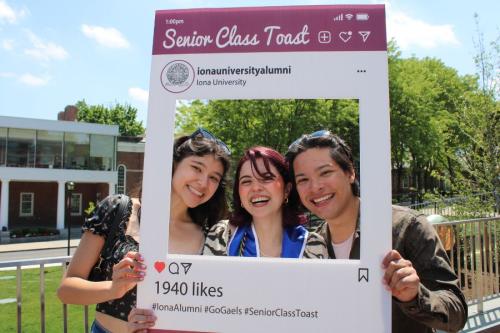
x=45, y=51
x=7, y=74
x=27, y=78
x=109, y=37
x=412, y=32
x=8, y=14
x=8, y=44
x=32, y=80
x=138, y=94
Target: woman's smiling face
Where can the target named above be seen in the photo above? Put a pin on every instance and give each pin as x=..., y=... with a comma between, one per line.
x=196, y=178
x=262, y=197
x=323, y=186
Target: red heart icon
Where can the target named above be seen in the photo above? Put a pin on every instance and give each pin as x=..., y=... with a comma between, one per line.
x=159, y=266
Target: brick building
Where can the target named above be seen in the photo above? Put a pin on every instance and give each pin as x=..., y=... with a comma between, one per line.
x=39, y=157
x=129, y=165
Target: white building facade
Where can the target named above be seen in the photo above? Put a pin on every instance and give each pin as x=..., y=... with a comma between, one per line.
x=39, y=157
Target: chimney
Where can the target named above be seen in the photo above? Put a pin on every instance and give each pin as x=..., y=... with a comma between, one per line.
x=69, y=114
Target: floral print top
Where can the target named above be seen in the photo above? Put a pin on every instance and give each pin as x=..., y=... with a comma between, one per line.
x=100, y=224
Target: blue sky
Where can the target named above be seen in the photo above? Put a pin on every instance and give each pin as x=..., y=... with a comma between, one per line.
x=54, y=53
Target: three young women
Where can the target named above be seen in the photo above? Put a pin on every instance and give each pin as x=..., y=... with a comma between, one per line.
x=262, y=224
x=200, y=164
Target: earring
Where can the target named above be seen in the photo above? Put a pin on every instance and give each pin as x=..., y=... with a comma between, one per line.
x=286, y=201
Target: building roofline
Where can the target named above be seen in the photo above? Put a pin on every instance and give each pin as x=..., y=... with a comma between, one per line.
x=58, y=125
x=130, y=147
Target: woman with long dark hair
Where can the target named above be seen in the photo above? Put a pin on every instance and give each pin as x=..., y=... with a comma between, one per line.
x=200, y=164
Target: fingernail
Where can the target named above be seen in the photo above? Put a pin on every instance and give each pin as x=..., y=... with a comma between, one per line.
x=142, y=274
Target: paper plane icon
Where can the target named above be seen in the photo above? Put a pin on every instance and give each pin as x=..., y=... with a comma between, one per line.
x=364, y=35
x=186, y=266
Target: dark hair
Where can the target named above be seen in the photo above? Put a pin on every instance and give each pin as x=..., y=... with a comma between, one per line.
x=215, y=209
x=340, y=152
x=240, y=215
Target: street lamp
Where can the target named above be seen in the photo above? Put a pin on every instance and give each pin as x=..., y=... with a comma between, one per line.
x=70, y=186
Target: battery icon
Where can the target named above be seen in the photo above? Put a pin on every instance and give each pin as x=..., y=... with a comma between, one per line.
x=362, y=17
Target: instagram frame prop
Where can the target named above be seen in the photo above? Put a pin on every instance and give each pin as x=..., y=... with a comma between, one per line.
x=308, y=52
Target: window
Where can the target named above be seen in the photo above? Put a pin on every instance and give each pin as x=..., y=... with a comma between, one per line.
x=26, y=204
x=122, y=179
x=76, y=204
x=3, y=145
x=49, y=149
x=76, y=151
x=102, y=152
x=405, y=181
x=21, y=148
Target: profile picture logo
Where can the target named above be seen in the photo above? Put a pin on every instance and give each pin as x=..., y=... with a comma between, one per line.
x=177, y=76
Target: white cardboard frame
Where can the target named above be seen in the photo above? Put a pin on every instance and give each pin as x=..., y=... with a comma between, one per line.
x=324, y=295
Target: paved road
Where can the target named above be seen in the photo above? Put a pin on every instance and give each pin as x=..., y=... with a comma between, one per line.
x=34, y=254
x=34, y=250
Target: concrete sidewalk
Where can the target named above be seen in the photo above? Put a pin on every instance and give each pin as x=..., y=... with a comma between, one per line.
x=30, y=246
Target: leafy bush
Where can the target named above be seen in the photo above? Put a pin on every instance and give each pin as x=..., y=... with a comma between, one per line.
x=33, y=232
x=90, y=208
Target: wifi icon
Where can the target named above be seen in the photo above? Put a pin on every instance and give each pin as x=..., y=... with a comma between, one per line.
x=349, y=16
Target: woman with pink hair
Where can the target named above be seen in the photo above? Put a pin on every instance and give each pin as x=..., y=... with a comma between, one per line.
x=262, y=223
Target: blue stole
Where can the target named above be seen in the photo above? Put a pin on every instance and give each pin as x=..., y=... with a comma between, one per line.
x=244, y=242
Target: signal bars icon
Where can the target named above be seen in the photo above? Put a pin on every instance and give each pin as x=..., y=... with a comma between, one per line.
x=339, y=17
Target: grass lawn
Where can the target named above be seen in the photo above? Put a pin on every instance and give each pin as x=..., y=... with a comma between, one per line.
x=31, y=303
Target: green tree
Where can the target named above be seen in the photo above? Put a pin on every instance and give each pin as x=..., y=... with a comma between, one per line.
x=425, y=96
x=273, y=123
x=122, y=115
x=444, y=126
x=477, y=127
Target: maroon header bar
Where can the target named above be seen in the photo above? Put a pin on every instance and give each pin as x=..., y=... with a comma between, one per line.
x=270, y=29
